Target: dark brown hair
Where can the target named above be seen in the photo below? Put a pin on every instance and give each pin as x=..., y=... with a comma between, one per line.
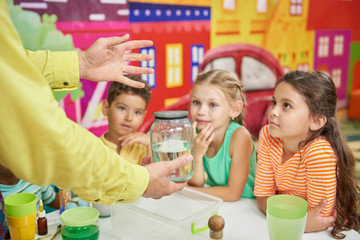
x=116, y=88
x=228, y=83
x=319, y=92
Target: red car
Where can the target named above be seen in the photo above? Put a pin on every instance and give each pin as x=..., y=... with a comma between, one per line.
x=258, y=71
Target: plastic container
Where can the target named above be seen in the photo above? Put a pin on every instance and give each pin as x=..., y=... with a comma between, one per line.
x=104, y=210
x=182, y=215
x=80, y=223
x=171, y=136
x=287, y=206
x=20, y=204
x=286, y=217
x=22, y=228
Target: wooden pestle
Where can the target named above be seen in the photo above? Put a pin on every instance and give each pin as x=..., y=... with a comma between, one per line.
x=216, y=224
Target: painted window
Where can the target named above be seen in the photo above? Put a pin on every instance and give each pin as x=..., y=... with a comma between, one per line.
x=229, y=4
x=149, y=78
x=169, y=101
x=174, y=66
x=261, y=6
x=256, y=75
x=336, y=77
x=296, y=7
x=197, y=56
x=303, y=67
x=226, y=63
x=338, y=45
x=323, y=47
x=286, y=69
x=227, y=27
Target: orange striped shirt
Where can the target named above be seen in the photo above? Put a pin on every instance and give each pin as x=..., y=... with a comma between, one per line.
x=310, y=173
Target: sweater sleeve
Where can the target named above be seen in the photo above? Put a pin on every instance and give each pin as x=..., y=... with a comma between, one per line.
x=60, y=76
x=41, y=145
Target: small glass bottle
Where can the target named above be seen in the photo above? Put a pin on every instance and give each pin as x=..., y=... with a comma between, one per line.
x=42, y=221
x=171, y=136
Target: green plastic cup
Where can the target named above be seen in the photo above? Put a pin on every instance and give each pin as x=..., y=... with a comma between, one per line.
x=80, y=223
x=286, y=217
x=20, y=204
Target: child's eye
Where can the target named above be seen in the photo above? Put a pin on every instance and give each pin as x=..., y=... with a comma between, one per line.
x=287, y=106
x=138, y=113
x=195, y=102
x=273, y=102
x=122, y=108
x=213, y=105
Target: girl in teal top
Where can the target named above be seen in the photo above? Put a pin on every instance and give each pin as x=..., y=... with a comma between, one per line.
x=224, y=152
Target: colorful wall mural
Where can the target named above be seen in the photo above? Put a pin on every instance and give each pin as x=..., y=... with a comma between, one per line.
x=301, y=34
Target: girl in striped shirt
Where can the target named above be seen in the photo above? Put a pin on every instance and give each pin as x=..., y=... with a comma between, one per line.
x=302, y=152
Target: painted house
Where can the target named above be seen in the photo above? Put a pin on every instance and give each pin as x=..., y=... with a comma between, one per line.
x=331, y=55
x=240, y=21
x=287, y=37
x=337, y=43
x=180, y=31
x=181, y=36
x=85, y=23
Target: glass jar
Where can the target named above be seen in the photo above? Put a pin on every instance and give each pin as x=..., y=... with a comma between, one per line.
x=80, y=223
x=171, y=136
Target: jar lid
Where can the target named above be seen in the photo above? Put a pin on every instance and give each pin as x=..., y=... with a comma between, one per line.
x=79, y=216
x=171, y=114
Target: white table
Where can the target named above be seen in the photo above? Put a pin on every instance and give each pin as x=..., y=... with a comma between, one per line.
x=243, y=220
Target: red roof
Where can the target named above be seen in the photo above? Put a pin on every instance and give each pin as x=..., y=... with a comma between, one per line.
x=335, y=14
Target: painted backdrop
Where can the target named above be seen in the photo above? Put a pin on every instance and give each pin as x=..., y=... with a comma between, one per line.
x=301, y=34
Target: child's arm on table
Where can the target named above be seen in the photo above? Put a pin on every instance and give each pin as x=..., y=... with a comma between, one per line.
x=56, y=202
x=315, y=221
x=201, y=144
x=240, y=150
x=321, y=185
x=262, y=203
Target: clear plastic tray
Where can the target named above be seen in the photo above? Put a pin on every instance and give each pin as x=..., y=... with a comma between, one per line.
x=182, y=215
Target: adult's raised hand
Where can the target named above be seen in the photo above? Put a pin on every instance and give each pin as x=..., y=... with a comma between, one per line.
x=106, y=60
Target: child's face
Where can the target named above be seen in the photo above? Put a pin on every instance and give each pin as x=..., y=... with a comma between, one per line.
x=209, y=106
x=125, y=114
x=289, y=118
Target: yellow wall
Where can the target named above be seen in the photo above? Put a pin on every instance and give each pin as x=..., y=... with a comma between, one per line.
x=243, y=24
x=287, y=37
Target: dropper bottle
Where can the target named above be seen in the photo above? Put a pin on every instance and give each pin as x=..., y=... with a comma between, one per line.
x=42, y=221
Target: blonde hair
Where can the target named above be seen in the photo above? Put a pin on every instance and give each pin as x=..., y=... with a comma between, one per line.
x=228, y=83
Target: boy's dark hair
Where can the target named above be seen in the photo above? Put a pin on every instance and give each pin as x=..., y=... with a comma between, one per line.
x=116, y=88
x=319, y=92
